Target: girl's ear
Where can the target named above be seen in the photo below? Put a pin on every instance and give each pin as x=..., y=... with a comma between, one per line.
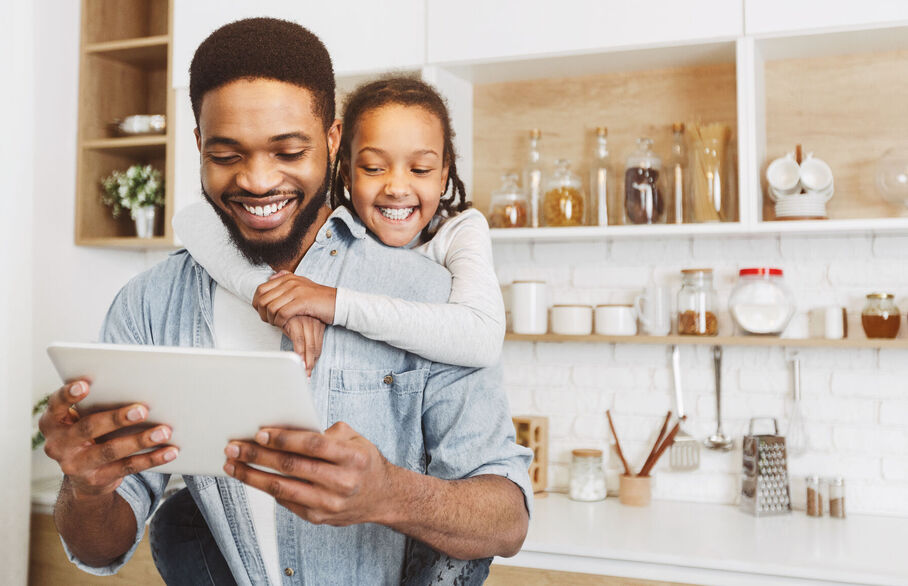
x=444, y=178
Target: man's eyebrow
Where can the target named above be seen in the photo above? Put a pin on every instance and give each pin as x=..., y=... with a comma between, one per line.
x=288, y=135
x=216, y=140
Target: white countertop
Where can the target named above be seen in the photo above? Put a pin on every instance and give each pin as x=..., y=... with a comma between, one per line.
x=712, y=544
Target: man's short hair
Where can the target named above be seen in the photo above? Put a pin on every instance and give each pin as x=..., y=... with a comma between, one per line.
x=268, y=48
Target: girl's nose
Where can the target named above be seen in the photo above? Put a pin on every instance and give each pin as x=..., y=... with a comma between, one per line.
x=397, y=184
x=259, y=176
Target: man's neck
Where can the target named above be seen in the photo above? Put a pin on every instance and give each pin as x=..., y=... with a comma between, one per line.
x=306, y=242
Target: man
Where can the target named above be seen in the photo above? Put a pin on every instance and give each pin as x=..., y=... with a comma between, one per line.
x=411, y=448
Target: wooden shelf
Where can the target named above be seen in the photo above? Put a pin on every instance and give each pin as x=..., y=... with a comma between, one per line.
x=718, y=341
x=146, y=52
x=158, y=242
x=126, y=142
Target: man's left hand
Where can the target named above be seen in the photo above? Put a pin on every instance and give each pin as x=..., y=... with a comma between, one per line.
x=336, y=478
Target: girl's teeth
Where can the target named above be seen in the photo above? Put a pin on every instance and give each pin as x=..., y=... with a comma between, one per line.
x=265, y=211
x=396, y=213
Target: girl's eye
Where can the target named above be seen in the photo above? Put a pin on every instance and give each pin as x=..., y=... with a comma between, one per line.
x=422, y=171
x=371, y=170
x=291, y=156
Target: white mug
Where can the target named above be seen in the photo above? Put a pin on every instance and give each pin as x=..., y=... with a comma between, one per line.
x=783, y=176
x=572, y=320
x=815, y=174
x=528, y=307
x=616, y=320
x=654, y=308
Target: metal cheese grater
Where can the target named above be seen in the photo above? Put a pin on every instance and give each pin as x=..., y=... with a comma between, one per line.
x=764, y=486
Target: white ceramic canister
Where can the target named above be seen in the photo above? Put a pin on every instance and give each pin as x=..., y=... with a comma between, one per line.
x=529, y=308
x=616, y=320
x=572, y=320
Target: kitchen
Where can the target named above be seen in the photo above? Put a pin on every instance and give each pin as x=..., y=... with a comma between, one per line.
x=779, y=73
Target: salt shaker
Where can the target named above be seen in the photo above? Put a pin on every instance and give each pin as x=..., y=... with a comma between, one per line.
x=587, y=476
x=836, y=496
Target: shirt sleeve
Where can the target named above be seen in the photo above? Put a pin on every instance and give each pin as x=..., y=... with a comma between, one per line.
x=466, y=331
x=468, y=429
x=206, y=238
x=143, y=491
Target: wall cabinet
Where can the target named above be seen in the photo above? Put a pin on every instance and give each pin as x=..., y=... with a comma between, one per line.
x=777, y=16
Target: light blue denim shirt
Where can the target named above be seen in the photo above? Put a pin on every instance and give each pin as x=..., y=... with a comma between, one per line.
x=445, y=421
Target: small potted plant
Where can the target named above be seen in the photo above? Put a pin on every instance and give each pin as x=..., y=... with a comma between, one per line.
x=139, y=189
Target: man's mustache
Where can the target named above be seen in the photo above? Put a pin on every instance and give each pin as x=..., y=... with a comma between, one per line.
x=237, y=193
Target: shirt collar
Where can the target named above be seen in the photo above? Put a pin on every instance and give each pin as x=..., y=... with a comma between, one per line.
x=343, y=216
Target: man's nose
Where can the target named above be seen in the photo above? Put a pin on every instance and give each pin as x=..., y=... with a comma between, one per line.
x=259, y=175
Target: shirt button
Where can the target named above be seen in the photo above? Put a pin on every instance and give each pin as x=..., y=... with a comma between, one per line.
x=288, y=571
x=334, y=253
x=327, y=233
x=388, y=379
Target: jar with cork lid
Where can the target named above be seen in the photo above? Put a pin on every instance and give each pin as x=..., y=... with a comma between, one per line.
x=697, y=304
x=587, y=476
x=564, y=203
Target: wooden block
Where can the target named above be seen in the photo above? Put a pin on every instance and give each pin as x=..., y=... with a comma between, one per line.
x=533, y=432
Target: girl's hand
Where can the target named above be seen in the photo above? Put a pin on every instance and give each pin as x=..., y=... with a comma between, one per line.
x=306, y=333
x=286, y=295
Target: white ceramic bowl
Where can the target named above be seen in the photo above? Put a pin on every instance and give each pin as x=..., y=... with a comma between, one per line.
x=572, y=320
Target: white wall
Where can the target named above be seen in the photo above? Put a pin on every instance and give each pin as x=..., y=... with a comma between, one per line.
x=855, y=402
x=16, y=164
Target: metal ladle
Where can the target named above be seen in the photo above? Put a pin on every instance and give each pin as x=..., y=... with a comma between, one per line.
x=719, y=441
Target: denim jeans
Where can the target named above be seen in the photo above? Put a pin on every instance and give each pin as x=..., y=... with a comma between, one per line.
x=185, y=553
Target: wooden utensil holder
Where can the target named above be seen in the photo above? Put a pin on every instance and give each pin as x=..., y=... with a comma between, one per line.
x=533, y=432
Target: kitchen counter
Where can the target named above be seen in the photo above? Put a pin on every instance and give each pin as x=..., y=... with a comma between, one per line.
x=712, y=544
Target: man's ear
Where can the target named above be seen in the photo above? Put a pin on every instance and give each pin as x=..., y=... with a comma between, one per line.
x=198, y=139
x=334, y=136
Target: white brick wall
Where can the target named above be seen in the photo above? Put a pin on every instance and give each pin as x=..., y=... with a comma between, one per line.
x=854, y=405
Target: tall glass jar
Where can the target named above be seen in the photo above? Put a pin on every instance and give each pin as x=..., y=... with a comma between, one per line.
x=644, y=194
x=509, y=207
x=604, y=209
x=697, y=304
x=880, y=316
x=712, y=184
x=533, y=179
x=587, y=476
x=564, y=201
x=677, y=178
x=836, y=497
x=814, y=498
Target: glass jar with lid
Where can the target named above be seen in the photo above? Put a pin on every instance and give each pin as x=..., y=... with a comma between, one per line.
x=644, y=194
x=880, y=316
x=760, y=303
x=509, y=207
x=564, y=203
x=697, y=304
x=587, y=476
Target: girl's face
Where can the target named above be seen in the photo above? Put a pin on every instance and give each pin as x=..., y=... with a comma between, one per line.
x=397, y=171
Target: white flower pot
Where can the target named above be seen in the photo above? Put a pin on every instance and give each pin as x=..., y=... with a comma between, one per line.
x=144, y=218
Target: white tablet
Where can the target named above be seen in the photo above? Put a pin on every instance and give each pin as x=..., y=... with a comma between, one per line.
x=207, y=397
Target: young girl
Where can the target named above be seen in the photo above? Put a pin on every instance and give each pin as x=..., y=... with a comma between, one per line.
x=396, y=159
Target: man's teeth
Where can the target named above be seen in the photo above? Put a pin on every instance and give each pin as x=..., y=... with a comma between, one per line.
x=396, y=213
x=267, y=210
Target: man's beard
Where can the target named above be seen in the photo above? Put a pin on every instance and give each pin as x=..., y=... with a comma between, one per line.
x=282, y=251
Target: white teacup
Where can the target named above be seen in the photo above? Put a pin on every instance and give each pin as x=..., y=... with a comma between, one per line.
x=616, y=320
x=783, y=176
x=816, y=175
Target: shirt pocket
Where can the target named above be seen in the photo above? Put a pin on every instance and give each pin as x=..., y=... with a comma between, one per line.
x=383, y=406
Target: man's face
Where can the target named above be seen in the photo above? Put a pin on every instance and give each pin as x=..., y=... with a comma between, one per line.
x=265, y=165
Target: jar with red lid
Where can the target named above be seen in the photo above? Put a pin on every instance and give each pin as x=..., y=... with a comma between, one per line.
x=761, y=303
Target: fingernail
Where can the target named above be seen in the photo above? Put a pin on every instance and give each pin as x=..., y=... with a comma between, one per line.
x=135, y=414
x=77, y=389
x=262, y=437
x=169, y=455
x=232, y=451
x=228, y=468
x=159, y=435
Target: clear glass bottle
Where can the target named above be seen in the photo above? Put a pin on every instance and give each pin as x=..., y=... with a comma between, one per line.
x=712, y=193
x=677, y=177
x=814, y=497
x=533, y=179
x=836, y=497
x=644, y=194
x=509, y=207
x=604, y=210
x=880, y=316
x=697, y=304
x=587, y=476
x=564, y=201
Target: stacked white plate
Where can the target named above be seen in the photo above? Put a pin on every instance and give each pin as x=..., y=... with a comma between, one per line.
x=803, y=205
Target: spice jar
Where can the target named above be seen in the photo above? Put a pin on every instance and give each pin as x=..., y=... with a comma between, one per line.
x=644, y=200
x=509, y=207
x=697, y=303
x=836, y=496
x=880, y=316
x=564, y=201
x=814, y=498
x=587, y=476
x=760, y=303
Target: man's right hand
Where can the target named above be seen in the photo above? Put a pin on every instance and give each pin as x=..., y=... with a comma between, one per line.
x=96, y=468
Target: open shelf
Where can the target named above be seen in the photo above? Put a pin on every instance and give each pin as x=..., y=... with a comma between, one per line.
x=124, y=19
x=126, y=142
x=144, y=52
x=718, y=341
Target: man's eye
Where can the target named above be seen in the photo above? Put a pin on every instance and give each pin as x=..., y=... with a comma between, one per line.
x=291, y=156
x=223, y=160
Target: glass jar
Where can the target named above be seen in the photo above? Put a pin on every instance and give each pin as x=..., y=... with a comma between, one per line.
x=587, y=476
x=712, y=184
x=814, y=498
x=564, y=201
x=836, y=495
x=760, y=303
x=697, y=304
x=509, y=207
x=880, y=316
x=644, y=199
x=533, y=179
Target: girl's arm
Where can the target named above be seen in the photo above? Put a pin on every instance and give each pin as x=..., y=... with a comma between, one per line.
x=203, y=234
x=466, y=331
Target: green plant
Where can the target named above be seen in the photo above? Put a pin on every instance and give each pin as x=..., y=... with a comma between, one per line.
x=38, y=437
x=137, y=187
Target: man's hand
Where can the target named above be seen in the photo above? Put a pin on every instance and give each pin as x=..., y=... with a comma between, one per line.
x=93, y=467
x=337, y=478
